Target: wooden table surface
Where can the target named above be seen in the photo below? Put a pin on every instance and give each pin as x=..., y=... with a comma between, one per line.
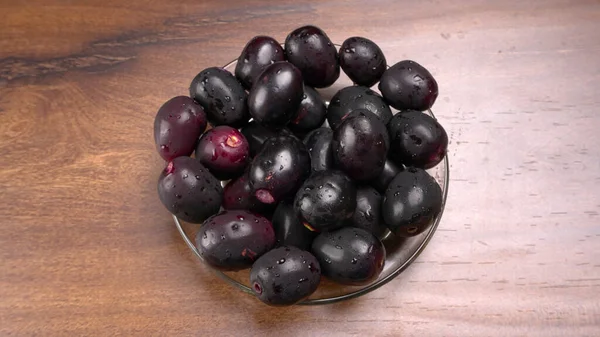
x=86, y=248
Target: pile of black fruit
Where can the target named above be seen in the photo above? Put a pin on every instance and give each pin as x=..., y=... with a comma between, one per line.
x=302, y=200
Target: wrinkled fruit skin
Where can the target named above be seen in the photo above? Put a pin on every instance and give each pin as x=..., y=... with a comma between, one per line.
x=390, y=170
x=276, y=95
x=237, y=194
x=411, y=202
x=259, y=52
x=360, y=145
x=257, y=135
x=417, y=139
x=408, y=85
x=289, y=230
x=326, y=200
x=349, y=255
x=189, y=191
x=222, y=97
x=285, y=276
x=224, y=151
x=318, y=143
x=279, y=169
x=362, y=60
x=354, y=98
x=311, y=114
x=367, y=214
x=177, y=125
x=233, y=240
x=309, y=49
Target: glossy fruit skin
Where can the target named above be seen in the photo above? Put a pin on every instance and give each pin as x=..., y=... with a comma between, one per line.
x=362, y=60
x=224, y=151
x=408, y=85
x=367, y=214
x=417, y=139
x=349, y=255
x=318, y=143
x=222, y=97
x=360, y=145
x=326, y=200
x=188, y=190
x=279, y=169
x=311, y=114
x=177, y=125
x=289, y=230
x=237, y=194
x=257, y=135
x=309, y=49
x=284, y=276
x=353, y=98
x=390, y=170
x=411, y=202
x=233, y=240
x=276, y=95
x=259, y=52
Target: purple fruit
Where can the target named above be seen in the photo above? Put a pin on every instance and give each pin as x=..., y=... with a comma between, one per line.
x=408, y=85
x=390, y=170
x=289, y=230
x=353, y=98
x=367, y=214
x=318, y=143
x=178, y=124
x=362, y=60
x=222, y=97
x=257, y=135
x=188, y=190
x=233, y=240
x=237, y=194
x=224, y=151
x=258, y=53
x=309, y=49
x=311, y=113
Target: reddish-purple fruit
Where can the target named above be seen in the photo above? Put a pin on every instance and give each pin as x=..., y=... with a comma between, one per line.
x=289, y=230
x=353, y=98
x=233, y=240
x=188, y=190
x=257, y=135
x=279, y=169
x=224, y=151
x=258, y=53
x=309, y=49
x=360, y=145
x=408, y=85
x=311, y=114
x=362, y=60
x=222, y=96
x=237, y=194
x=318, y=143
x=276, y=95
x=417, y=139
x=178, y=124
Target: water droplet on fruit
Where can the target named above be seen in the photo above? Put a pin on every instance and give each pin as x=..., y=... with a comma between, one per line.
x=338, y=246
x=222, y=237
x=280, y=261
x=304, y=279
x=354, y=261
x=178, y=196
x=328, y=261
x=255, y=220
x=235, y=227
x=198, y=177
x=276, y=275
x=240, y=217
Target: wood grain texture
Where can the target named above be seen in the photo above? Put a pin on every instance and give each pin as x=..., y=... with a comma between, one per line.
x=86, y=248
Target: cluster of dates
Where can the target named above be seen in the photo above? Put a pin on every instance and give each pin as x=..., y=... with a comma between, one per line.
x=310, y=188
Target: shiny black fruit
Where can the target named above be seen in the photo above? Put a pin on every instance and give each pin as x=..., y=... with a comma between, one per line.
x=417, y=139
x=408, y=85
x=289, y=230
x=233, y=240
x=325, y=200
x=353, y=98
x=390, y=170
x=188, y=190
x=318, y=143
x=258, y=53
x=257, y=134
x=362, y=60
x=224, y=151
x=285, y=276
x=237, y=194
x=309, y=49
x=177, y=125
x=349, y=255
x=279, y=169
x=367, y=214
x=412, y=200
x=222, y=96
x=360, y=145
x=311, y=113
x=276, y=95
